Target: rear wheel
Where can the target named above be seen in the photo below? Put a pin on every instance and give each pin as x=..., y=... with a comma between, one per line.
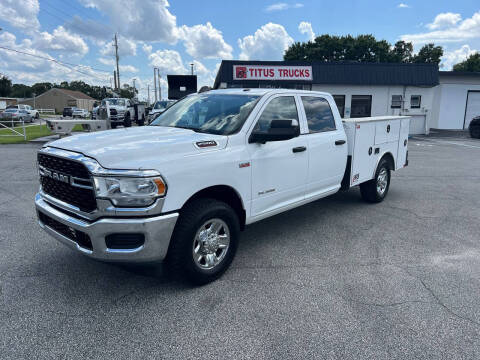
x=204, y=241
x=376, y=190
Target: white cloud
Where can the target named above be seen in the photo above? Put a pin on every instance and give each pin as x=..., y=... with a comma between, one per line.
x=21, y=14
x=89, y=28
x=128, y=69
x=451, y=58
x=107, y=61
x=306, y=28
x=126, y=47
x=444, y=20
x=147, y=49
x=168, y=61
x=403, y=6
x=60, y=40
x=205, y=41
x=268, y=43
x=146, y=20
x=282, y=6
x=448, y=28
x=30, y=69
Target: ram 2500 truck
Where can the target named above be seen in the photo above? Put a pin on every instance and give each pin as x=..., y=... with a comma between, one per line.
x=182, y=189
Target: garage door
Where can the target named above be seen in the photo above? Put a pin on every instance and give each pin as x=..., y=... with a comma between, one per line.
x=417, y=124
x=473, y=107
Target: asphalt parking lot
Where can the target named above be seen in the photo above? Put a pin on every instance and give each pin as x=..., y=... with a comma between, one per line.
x=335, y=279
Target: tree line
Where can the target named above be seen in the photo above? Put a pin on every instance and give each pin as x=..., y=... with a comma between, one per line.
x=366, y=48
x=7, y=89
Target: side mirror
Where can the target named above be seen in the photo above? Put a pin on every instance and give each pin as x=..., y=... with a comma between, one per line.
x=279, y=130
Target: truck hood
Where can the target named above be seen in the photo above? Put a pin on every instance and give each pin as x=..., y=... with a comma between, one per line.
x=136, y=148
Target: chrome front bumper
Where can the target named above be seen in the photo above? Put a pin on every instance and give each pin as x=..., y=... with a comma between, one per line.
x=157, y=231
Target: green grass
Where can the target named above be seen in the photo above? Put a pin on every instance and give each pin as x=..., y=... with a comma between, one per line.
x=33, y=132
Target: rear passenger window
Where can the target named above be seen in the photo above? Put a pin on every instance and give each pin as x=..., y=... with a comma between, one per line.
x=319, y=114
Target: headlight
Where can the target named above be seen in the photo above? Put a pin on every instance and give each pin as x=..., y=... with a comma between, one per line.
x=129, y=191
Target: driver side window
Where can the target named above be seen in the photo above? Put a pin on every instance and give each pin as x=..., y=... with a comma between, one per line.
x=280, y=108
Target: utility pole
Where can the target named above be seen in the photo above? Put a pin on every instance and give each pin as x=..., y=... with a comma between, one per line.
x=159, y=87
x=116, y=58
x=115, y=80
x=134, y=89
x=155, y=81
x=148, y=96
x=191, y=65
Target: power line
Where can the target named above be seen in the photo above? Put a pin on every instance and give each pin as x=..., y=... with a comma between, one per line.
x=67, y=65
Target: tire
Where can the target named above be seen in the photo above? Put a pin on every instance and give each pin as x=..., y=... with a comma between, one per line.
x=127, y=122
x=475, y=132
x=185, y=246
x=37, y=116
x=113, y=125
x=375, y=190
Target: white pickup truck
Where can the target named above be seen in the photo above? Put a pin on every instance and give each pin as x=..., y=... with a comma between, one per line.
x=181, y=189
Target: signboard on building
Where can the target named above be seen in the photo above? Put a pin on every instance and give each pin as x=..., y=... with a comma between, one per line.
x=274, y=72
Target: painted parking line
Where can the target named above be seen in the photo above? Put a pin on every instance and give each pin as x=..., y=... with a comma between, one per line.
x=449, y=142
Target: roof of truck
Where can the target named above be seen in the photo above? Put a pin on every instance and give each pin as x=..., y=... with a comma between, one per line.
x=263, y=91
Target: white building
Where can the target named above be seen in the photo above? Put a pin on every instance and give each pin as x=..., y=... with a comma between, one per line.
x=441, y=100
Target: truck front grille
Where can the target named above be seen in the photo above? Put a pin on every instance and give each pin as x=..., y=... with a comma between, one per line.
x=81, y=196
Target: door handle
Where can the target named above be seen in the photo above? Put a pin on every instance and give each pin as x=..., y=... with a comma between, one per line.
x=299, y=149
x=339, y=142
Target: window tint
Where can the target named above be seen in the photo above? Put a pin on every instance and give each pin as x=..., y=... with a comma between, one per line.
x=280, y=108
x=319, y=115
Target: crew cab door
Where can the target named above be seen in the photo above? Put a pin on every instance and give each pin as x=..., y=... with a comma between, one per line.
x=279, y=168
x=327, y=146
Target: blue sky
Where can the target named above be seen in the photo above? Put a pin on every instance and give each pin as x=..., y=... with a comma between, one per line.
x=171, y=35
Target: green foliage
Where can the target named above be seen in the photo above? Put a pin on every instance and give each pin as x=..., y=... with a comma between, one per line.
x=21, y=91
x=472, y=64
x=363, y=48
x=127, y=91
x=5, y=86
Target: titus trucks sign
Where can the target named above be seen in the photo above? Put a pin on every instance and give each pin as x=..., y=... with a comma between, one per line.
x=274, y=72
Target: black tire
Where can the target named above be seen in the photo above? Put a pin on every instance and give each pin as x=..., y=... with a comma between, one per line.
x=369, y=190
x=180, y=261
x=475, y=132
x=37, y=116
x=127, y=122
x=113, y=125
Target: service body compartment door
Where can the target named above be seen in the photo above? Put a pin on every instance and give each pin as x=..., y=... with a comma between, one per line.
x=387, y=131
x=363, y=159
x=403, y=144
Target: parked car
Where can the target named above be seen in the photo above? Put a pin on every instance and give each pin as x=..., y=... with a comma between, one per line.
x=68, y=111
x=123, y=111
x=33, y=113
x=183, y=188
x=474, y=127
x=158, y=108
x=81, y=113
x=16, y=114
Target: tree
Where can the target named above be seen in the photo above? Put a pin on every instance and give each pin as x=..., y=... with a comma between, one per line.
x=471, y=64
x=127, y=91
x=363, y=48
x=5, y=86
x=40, y=88
x=429, y=53
x=21, y=91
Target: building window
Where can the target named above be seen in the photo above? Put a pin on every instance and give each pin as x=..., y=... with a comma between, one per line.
x=361, y=106
x=415, y=101
x=340, y=101
x=319, y=114
x=396, y=102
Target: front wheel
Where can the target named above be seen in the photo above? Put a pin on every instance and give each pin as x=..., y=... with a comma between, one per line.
x=204, y=241
x=127, y=122
x=376, y=190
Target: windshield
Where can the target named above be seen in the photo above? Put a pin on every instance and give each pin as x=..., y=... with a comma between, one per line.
x=160, y=105
x=210, y=113
x=114, y=101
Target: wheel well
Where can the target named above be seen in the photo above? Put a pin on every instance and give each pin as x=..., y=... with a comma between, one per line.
x=391, y=162
x=226, y=194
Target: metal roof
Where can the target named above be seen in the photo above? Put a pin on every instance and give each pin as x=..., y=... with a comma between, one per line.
x=344, y=73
